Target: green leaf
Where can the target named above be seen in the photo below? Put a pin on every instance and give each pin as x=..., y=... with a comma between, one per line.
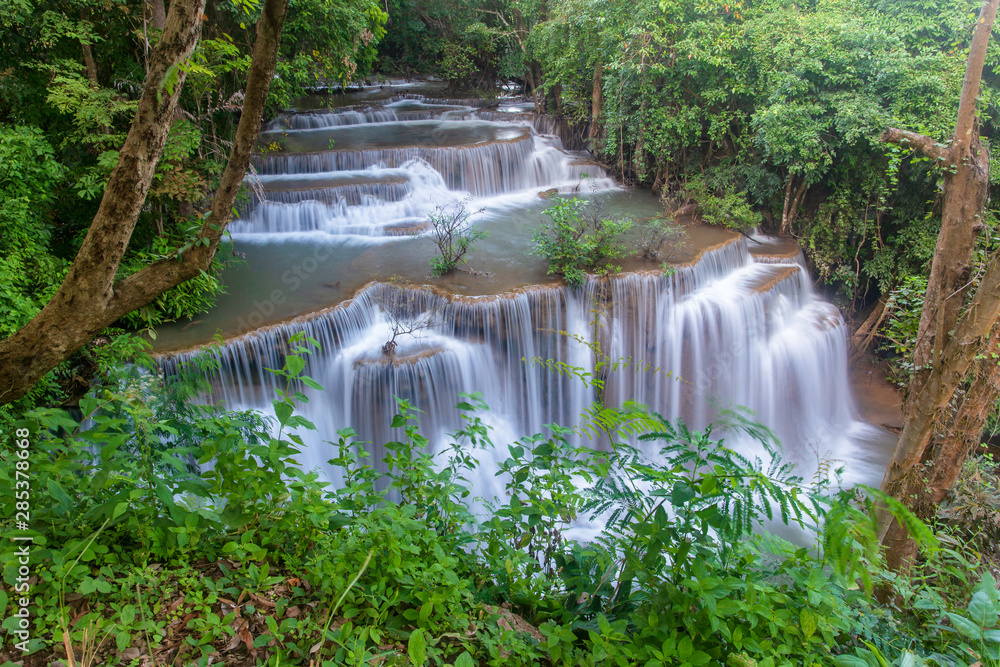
x=87, y=586
x=685, y=648
x=602, y=623
x=807, y=619
x=699, y=658
x=848, y=660
x=309, y=382
x=416, y=648
x=127, y=614
x=119, y=510
x=965, y=627
x=59, y=494
x=681, y=493
x=981, y=610
x=283, y=411
x=294, y=364
x=425, y=611
x=465, y=660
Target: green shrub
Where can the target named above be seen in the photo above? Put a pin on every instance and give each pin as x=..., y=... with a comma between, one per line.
x=259, y=561
x=580, y=239
x=456, y=65
x=904, y=306
x=722, y=206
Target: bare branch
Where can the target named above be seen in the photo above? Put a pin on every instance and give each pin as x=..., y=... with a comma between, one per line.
x=404, y=319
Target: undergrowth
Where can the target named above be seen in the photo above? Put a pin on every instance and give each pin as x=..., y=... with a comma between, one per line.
x=169, y=533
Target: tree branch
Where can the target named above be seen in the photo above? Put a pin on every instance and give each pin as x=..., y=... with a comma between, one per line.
x=69, y=319
x=142, y=287
x=88, y=301
x=921, y=142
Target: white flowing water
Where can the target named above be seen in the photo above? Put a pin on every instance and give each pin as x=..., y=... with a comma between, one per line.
x=729, y=330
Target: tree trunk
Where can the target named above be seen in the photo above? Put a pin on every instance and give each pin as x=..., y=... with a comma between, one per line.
x=792, y=202
x=966, y=428
x=946, y=345
x=88, y=53
x=597, y=103
x=862, y=338
x=89, y=300
x=965, y=191
x=539, y=107
x=785, y=222
x=916, y=463
x=928, y=455
x=157, y=14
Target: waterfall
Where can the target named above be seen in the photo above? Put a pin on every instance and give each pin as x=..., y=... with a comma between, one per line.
x=371, y=202
x=381, y=171
x=721, y=333
x=739, y=326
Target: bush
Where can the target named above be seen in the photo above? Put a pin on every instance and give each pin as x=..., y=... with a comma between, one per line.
x=721, y=206
x=456, y=64
x=580, y=239
x=904, y=307
x=659, y=239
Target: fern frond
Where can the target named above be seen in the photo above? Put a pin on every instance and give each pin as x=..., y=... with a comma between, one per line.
x=918, y=530
x=631, y=420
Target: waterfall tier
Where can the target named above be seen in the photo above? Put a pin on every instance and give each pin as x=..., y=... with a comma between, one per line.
x=723, y=333
x=377, y=170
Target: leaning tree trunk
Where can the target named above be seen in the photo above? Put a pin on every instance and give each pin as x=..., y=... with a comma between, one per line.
x=947, y=340
x=89, y=299
x=920, y=473
x=792, y=202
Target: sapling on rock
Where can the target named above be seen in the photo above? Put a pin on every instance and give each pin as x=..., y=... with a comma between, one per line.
x=660, y=239
x=404, y=317
x=454, y=237
x=581, y=238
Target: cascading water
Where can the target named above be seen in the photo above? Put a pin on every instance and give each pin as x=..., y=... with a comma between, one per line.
x=729, y=329
x=368, y=173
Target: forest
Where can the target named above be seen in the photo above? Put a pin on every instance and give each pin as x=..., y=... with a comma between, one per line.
x=499, y=332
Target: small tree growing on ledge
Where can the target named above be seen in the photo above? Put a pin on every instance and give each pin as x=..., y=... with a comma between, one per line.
x=454, y=236
x=404, y=317
x=580, y=238
x=659, y=239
